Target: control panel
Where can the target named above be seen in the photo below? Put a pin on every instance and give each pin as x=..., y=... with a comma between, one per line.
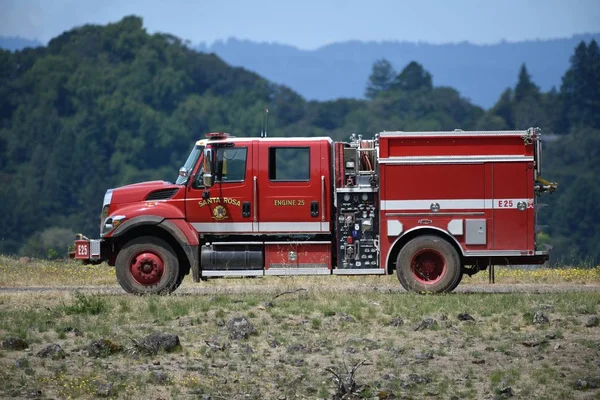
x=357, y=228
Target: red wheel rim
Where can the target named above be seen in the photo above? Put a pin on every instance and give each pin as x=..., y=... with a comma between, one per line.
x=147, y=267
x=428, y=266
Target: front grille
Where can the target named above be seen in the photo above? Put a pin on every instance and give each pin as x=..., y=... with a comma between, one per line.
x=163, y=194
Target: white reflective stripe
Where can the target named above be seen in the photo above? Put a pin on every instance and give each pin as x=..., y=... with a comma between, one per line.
x=223, y=226
x=420, y=205
x=293, y=227
x=283, y=227
x=492, y=253
x=453, y=159
x=457, y=133
x=453, y=204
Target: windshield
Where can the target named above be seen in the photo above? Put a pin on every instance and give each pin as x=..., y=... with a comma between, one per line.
x=190, y=163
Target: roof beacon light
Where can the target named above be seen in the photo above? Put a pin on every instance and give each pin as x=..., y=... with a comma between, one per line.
x=217, y=135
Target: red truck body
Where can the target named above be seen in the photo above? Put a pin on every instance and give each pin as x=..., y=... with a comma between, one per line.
x=431, y=206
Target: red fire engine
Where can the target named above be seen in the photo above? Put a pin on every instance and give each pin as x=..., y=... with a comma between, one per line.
x=431, y=206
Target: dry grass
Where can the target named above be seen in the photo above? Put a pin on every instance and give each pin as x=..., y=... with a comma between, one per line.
x=335, y=322
x=299, y=337
x=14, y=273
x=72, y=273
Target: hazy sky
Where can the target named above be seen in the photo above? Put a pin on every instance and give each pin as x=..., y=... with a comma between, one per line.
x=312, y=23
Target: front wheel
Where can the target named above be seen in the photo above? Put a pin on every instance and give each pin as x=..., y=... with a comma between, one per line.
x=428, y=264
x=147, y=265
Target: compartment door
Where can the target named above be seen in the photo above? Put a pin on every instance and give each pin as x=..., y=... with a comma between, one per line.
x=513, y=207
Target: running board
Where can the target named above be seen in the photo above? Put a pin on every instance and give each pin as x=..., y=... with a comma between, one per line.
x=245, y=272
x=359, y=271
x=298, y=271
x=290, y=272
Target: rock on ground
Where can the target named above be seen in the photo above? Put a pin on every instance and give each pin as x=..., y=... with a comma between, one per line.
x=14, y=344
x=53, y=351
x=427, y=323
x=424, y=356
x=465, y=317
x=104, y=389
x=240, y=328
x=588, y=382
x=161, y=341
x=540, y=318
x=592, y=321
x=103, y=348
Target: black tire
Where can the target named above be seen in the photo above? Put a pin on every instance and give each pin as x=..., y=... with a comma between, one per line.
x=428, y=264
x=145, y=275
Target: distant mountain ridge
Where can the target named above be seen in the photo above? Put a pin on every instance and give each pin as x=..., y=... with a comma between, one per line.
x=13, y=43
x=340, y=70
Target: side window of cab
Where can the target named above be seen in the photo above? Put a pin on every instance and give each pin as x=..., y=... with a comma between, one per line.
x=231, y=164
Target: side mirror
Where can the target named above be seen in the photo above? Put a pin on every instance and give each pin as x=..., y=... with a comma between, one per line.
x=207, y=178
x=183, y=172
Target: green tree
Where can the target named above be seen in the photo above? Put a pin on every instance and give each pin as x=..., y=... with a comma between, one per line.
x=580, y=89
x=413, y=77
x=525, y=87
x=381, y=78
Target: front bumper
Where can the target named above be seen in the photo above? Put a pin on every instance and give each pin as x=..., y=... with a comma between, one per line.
x=89, y=250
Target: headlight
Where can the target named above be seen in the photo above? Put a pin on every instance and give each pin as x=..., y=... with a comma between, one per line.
x=105, y=206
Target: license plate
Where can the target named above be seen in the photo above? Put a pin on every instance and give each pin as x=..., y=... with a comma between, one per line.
x=82, y=249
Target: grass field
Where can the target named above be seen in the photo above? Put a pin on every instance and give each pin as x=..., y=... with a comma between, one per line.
x=318, y=326
x=14, y=273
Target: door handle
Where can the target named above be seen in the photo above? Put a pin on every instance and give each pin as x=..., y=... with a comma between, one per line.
x=254, y=198
x=314, y=209
x=246, y=209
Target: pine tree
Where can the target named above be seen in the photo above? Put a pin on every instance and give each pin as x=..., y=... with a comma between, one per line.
x=525, y=87
x=580, y=89
x=381, y=78
x=594, y=85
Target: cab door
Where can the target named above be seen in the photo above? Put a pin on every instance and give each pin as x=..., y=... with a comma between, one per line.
x=290, y=187
x=228, y=206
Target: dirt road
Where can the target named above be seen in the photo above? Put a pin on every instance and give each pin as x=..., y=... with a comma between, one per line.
x=278, y=285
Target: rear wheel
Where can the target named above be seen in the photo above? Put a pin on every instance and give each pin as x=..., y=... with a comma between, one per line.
x=428, y=264
x=148, y=265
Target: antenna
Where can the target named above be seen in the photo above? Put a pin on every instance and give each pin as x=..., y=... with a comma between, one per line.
x=266, y=122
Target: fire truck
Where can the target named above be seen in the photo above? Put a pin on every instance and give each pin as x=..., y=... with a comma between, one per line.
x=428, y=206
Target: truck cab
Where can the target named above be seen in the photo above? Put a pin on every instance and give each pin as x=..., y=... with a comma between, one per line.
x=240, y=207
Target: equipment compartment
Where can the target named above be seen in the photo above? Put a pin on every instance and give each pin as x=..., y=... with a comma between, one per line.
x=298, y=255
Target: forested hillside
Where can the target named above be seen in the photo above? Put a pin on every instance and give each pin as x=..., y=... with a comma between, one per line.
x=102, y=106
x=338, y=69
